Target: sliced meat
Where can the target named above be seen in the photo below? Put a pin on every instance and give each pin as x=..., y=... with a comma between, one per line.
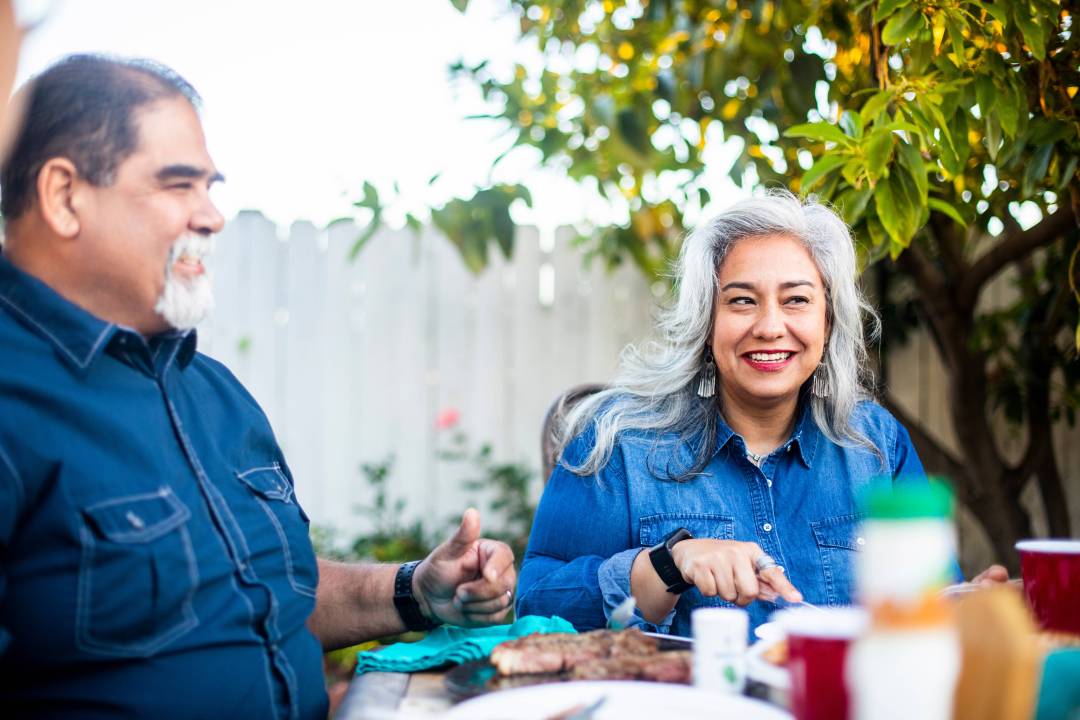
x=670, y=667
x=559, y=652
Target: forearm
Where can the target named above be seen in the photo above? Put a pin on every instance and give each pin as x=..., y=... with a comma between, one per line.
x=354, y=603
x=653, y=600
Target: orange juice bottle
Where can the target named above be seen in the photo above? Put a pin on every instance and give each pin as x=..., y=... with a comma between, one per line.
x=907, y=663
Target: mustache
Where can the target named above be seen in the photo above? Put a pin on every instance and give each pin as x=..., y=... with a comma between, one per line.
x=191, y=246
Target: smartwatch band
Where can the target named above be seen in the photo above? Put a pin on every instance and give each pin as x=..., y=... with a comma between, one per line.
x=664, y=563
x=405, y=601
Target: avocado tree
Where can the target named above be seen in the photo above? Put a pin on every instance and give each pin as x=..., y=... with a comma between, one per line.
x=945, y=131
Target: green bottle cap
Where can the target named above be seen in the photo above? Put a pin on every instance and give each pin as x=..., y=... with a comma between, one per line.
x=909, y=501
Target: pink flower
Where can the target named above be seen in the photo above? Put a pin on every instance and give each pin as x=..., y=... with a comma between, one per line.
x=447, y=419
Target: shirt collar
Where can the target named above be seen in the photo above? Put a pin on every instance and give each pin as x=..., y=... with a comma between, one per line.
x=78, y=336
x=805, y=436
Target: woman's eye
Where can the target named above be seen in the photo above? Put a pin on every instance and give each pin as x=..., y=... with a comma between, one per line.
x=798, y=300
x=741, y=300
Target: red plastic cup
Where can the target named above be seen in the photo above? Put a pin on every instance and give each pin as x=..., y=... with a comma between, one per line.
x=1051, y=572
x=818, y=642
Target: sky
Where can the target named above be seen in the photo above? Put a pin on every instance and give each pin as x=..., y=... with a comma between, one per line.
x=303, y=102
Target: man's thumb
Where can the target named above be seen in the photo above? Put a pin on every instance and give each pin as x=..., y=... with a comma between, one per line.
x=467, y=533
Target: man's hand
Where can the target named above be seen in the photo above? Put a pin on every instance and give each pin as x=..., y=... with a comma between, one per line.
x=468, y=580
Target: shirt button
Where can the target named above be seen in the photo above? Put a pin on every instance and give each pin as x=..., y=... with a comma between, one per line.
x=767, y=527
x=768, y=482
x=860, y=541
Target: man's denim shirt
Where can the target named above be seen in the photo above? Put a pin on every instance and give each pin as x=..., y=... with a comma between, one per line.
x=800, y=506
x=153, y=560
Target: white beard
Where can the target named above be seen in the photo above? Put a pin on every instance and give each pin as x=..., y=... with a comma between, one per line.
x=184, y=303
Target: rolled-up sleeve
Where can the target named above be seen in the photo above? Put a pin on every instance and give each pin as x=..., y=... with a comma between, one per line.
x=582, y=546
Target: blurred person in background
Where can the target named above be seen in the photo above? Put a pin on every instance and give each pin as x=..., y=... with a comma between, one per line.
x=154, y=561
x=725, y=464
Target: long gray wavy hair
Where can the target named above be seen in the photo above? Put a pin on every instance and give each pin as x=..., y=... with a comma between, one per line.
x=656, y=386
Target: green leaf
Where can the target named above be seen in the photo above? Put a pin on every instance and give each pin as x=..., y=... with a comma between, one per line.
x=956, y=26
x=998, y=11
x=1032, y=31
x=874, y=105
x=820, y=169
x=1035, y=172
x=912, y=160
x=886, y=8
x=852, y=124
x=985, y=95
x=852, y=203
x=878, y=148
x=993, y=135
x=1007, y=106
x=946, y=209
x=821, y=131
x=852, y=170
x=888, y=210
x=902, y=25
x=1068, y=173
x=461, y=5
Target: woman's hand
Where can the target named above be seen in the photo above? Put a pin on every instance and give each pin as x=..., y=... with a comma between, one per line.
x=727, y=568
x=993, y=575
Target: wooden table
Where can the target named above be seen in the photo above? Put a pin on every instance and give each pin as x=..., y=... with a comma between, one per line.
x=396, y=696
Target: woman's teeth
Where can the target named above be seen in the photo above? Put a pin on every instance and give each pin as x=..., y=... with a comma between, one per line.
x=770, y=357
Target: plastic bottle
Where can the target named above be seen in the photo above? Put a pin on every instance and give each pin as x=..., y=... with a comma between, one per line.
x=907, y=664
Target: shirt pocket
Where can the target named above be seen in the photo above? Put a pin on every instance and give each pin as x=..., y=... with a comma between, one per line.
x=272, y=494
x=838, y=540
x=137, y=575
x=655, y=528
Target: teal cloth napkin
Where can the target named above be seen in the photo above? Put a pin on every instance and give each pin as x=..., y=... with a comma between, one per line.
x=1059, y=697
x=456, y=645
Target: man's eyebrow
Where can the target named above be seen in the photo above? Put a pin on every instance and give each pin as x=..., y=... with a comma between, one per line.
x=189, y=172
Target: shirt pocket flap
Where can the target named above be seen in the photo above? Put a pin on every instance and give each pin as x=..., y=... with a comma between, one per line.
x=137, y=518
x=655, y=528
x=843, y=531
x=267, y=482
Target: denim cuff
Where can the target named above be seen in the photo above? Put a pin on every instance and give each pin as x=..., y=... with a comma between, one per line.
x=614, y=578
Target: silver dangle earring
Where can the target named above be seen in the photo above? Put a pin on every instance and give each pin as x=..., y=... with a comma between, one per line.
x=819, y=387
x=707, y=385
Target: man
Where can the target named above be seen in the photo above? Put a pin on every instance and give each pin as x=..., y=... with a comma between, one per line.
x=153, y=559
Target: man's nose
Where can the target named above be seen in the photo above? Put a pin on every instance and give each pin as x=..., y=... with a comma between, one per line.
x=207, y=220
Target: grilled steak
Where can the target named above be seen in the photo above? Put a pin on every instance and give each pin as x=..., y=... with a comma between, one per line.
x=670, y=667
x=559, y=652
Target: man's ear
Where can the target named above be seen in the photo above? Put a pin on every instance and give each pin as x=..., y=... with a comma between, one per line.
x=57, y=185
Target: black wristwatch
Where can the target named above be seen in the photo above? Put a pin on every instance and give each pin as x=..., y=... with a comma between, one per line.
x=405, y=601
x=664, y=564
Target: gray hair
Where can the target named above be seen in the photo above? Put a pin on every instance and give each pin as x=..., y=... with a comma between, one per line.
x=656, y=387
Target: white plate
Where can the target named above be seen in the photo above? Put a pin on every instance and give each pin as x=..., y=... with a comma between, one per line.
x=625, y=701
x=763, y=671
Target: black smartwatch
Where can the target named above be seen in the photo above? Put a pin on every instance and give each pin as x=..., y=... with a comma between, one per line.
x=664, y=564
x=405, y=601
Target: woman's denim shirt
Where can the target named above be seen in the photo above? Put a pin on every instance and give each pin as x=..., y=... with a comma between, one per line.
x=800, y=506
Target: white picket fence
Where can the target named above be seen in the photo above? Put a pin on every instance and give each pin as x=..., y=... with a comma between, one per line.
x=354, y=361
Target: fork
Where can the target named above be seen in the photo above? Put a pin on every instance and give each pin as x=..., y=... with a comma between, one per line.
x=586, y=711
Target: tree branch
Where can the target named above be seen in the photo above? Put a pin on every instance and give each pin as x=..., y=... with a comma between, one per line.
x=935, y=458
x=1013, y=246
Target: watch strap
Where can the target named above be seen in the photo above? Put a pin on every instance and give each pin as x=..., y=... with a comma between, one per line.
x=405, y=602
x=664, y=563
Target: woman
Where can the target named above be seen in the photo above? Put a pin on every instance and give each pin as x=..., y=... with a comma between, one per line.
x=735, y=449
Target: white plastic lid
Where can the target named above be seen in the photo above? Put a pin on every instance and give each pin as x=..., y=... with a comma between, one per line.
x=1061, y=547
